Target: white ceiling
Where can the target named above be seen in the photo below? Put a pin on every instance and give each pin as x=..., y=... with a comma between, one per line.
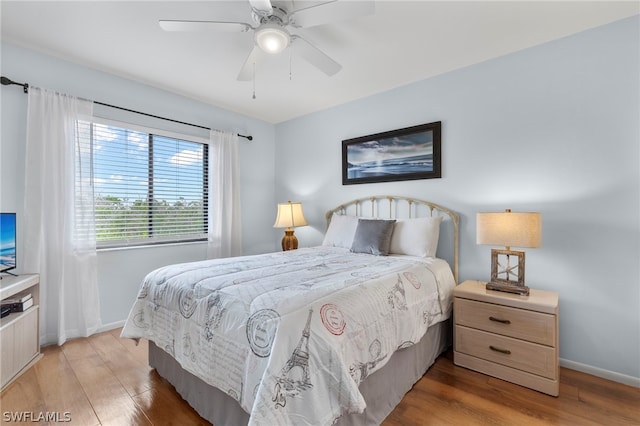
x=403, y=42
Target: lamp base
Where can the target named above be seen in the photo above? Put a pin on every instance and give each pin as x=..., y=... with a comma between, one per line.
x=289, y=241
x=522, y=290
x=501, y=271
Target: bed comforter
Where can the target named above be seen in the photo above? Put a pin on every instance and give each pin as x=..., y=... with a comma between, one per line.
x=291, y=335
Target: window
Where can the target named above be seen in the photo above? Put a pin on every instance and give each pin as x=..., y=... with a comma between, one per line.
x=147, y=188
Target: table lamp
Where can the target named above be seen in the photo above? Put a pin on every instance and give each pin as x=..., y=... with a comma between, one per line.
x=508, y=229
x=289, y=216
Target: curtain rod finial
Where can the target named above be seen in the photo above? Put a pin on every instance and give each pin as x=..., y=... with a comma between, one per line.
x=7, y=82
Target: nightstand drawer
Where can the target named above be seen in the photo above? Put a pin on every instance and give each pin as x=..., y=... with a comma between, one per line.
x=525, y=356
x=519, y=323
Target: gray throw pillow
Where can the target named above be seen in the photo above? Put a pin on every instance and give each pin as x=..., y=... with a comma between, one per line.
x=373, y=236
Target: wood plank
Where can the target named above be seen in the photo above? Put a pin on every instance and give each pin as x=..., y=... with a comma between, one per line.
x=606, y=397
x=133, y=375
x=60, y=387
x=23, y=395
x=109, y=399
x=460, y=406
x=164, y=406
x=139, y=349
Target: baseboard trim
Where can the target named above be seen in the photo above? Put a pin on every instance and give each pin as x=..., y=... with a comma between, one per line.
x=599, y=372
x=111, y=326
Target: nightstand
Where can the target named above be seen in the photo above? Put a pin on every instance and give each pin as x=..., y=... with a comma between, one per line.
x=508, y=336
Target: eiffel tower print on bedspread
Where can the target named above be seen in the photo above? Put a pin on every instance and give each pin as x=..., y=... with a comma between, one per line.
x=294, y=376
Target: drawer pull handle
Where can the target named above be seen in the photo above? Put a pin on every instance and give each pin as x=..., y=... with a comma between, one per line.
x=502, y=351
x=502, y=321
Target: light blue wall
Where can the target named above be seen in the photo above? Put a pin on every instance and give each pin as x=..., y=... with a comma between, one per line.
x=120, y=272
x=554, y=129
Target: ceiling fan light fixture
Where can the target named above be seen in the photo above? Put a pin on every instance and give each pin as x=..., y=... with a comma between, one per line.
x=272, y=38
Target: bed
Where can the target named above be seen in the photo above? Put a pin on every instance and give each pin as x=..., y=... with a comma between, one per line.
x=334, y=334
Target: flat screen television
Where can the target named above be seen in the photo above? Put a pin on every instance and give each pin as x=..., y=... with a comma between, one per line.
x=7, y=241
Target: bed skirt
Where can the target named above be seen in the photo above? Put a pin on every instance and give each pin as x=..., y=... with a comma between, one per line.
x=383, y=390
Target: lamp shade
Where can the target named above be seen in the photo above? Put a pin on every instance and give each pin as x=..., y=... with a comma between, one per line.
x=509, y=229
x=289, y=215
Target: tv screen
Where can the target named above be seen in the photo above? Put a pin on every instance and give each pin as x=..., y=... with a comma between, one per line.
x=7, y=241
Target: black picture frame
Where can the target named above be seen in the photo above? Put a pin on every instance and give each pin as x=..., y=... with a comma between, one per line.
x=403, y=154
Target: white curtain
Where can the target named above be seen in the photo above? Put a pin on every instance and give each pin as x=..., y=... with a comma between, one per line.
x=59, y=244
x=225, y=237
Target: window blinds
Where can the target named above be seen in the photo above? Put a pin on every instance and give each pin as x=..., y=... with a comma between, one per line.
x=147, y=188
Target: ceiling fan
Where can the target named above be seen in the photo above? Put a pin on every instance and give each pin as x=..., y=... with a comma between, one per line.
x=271, y=24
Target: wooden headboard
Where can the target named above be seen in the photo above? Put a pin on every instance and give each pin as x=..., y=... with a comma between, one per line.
x=395, y=207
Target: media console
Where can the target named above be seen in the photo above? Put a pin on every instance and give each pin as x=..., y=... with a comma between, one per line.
x=19, y=331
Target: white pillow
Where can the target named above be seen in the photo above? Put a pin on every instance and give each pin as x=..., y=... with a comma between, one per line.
x=416, y=237
x=342, y=229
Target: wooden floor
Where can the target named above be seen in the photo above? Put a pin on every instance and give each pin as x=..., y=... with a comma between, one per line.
x=105, y=380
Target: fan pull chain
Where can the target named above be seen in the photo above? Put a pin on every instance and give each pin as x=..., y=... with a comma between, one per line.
x=254, y=80
x=290, y=62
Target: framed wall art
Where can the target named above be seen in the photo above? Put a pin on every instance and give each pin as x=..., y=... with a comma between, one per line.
x=403, y=154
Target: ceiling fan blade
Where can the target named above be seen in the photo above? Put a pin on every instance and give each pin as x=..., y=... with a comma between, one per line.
x=255, y=57
x=315, y=56
x=331, y=11
x=263, y=6
x=219, y=26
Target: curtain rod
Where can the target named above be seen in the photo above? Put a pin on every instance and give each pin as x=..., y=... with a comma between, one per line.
x=25, y=87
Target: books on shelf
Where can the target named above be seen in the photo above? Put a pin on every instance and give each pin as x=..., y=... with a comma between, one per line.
x=17, y=298
x=18, y=302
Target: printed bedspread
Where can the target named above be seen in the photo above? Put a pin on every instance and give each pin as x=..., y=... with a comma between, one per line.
x=291, y=335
